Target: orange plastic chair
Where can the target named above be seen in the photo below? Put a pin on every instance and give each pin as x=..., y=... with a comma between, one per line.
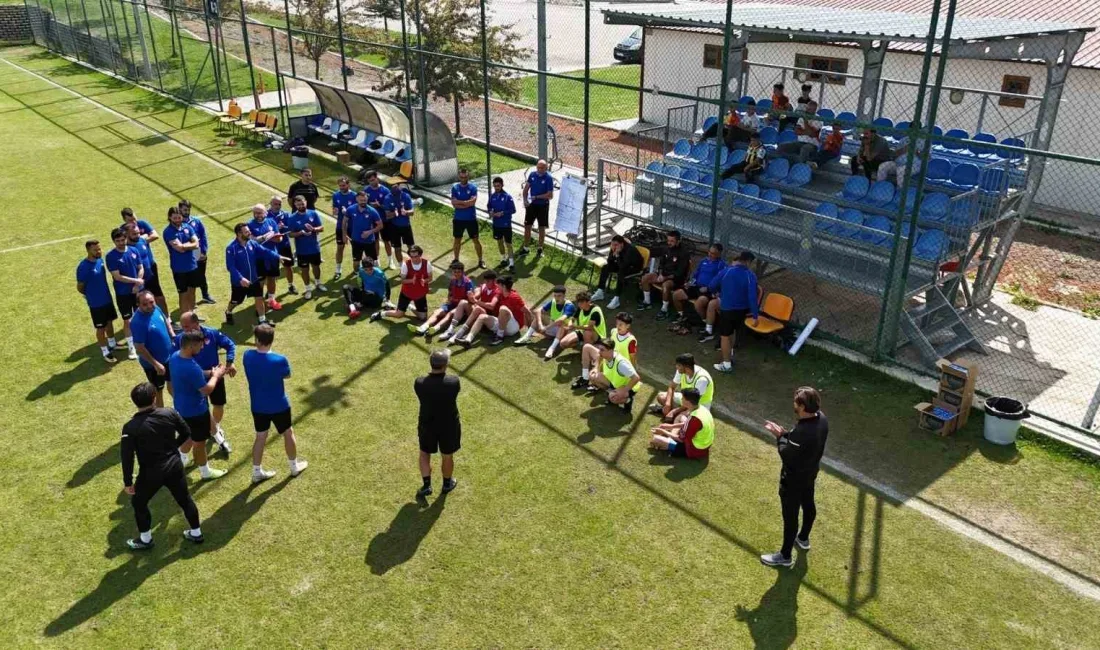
x=269, y=124
x=232, y=115
x=259, y=120
x=245, y=122
x=775, y=313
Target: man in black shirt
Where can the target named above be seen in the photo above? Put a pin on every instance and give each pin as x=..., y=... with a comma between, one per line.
x=439, y=428
x=623, y=260
x=672, y=273
x=801, y=450
x=154, y=435
x=305, y=188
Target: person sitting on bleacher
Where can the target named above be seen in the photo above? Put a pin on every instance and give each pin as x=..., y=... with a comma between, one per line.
x=733, y=118
x=623, y=261
x=780, y=104
x=750, y=121
x=754, y=161
x=896, y=169
x=803, y=99
x=808, y=130
x=873, y=151
x=830, y=149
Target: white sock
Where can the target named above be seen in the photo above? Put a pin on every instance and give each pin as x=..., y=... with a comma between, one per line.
x=196, y=531
x=219, y=435
x=530, y=331
x=183, y=457
x=499, y=333
x=584, y=373
x=648, y=298
x=293, y=464
x=111, y=343
x=257, y=469
x=554, y=345
x=147, y=536
x=317, y=284
x=106, y=350
x=423, y=328
x=339, y=267
x=204, y=470
x=130, y=342
x=450, y=330
x=725, y=364
x=710, y=328
x=511, y=260
x=263, y=318
x=462, y=332
x=664, y=306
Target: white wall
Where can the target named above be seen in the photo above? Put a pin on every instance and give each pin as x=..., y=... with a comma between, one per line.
x=674, y=62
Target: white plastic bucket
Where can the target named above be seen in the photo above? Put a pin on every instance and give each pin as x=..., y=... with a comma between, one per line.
x=1002, y=419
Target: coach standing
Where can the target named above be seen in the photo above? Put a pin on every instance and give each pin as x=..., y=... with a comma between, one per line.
x=801, y=450
x=439, y=428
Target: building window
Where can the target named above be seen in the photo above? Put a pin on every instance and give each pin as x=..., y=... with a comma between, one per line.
x=712, y=57
x=1016, y=85
x=825, y=64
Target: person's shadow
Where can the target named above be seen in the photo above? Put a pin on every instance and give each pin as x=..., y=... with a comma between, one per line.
x=96, y=464
x=90, y=367
x=774, y=623
x=398, y=544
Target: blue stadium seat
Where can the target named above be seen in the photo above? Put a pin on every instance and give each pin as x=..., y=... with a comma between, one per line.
x=993, y=180
x=879, y=194
x=763, y=106
x=964, y=177
x=846, y=117
x=769, y=135
x=681, y=150
x=883, y=123
x=963, y=214
x=673, y=171
x=709, y=122
x=706, y=182
x=937, y=130
x=746, y=196
x=983, y=150
x=1013, y=142
x=910, y=200
x=787, y=135
x=700, y=153
x=387, y=148
x=403, y=155
x=723, y=156
x=826, y=113
x=729, y=186
x=883, y=228
x=939, y=172
x=953, y=146
x=931, y=245
x=855, y=188
x=738, y=156
x=799, y=175
x=655, y=167
x=854, y=217
x=902, y=126
x=690, y=176
x=745, y=99
x=777, y=170
x=769, y=204
x=934, y=206
x=828, y=210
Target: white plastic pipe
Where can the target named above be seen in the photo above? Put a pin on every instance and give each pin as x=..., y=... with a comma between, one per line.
x=806, y=331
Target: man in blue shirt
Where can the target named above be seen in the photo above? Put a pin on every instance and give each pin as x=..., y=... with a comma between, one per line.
x=280, y=216
x=182, y=243
x=153, y=336
x=537, y=190
x=265, y=231
x=362, y=224
x=135, y=240
x=200, y=254
x=464, y=198
x=305, y=226
x=265, y=371
x=342, y=199
x=398, y=207
x=373, y=292
x=501, y=209
x=145, y=229
x=738, y=298
x=208, y=358
x=377, y=193
x=91, y=282
x=192, y=388
x=697, y=288
x=128, y=272
x=242, y=259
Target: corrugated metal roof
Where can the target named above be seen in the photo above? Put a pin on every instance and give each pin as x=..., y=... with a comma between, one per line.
x=844, y=22
x=1080, y=12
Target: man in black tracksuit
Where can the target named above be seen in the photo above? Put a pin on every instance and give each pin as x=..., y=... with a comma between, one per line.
x=154, y=435
x=623, y=260
x=801, y=450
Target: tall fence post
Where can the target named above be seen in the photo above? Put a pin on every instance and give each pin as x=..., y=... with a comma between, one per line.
x=541, y=81
x=723, y=93
x=248, y=57
x=340, y=41
x=217, y=71
x=152, y=38
x=485, y=90
x=290, y=36
x=418, y=156
x=422, y=88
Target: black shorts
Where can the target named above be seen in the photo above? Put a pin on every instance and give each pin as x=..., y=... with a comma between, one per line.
x=187, y=280
x=152, y=282
x=217, y=396
x=288, y=253
x=308, y=259
x=446, y=439
x=263, y=421
x=358, y=250
x=239, y=293
x=502, y=232
x=420, y=304
x=340, y=233
x=200, y=427
x=458, y=228
x=387, y=230
x=267, y=269
x=540, y=213
x=127, y=303
x=103, y=316
x=731, y=322
x=400, y=236
x=679, y=451
x=694, y=292
x=158, y=380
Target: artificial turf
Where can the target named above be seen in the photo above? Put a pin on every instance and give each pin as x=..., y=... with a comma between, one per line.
x=564, y=532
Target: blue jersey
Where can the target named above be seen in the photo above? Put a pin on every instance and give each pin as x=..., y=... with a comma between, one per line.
x=145, y=252
x=738, y=289
x=151, y=330
x=188, y=381
x=501, y=202
x=707, y=271
x=93, y=274
x=185, y=261
x=265, y=372
x=373, y=280
x=212, y=341
x=241, y=260
x=280, y=217
x=400, y=205
x=306, y=244
x=465, y=192
x=144, y=227
x=569, y=310
x=200, y=231
x=361, y=220
x=539, y=184
x=127, y=262
x=340, y=202
x=264, y=228
x=376, y=196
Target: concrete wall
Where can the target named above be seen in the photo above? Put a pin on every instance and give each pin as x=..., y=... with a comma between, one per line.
x=674, y=62
x=15, y=27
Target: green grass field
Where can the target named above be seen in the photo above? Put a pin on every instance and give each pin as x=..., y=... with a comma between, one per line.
x=472, y=157
x=564, y=532
x=606, y=103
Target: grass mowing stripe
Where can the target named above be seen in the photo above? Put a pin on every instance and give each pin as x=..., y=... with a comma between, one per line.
x=45, y=243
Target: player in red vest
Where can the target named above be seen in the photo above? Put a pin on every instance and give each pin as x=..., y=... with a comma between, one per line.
x=484, y=300
x=458, y=290
x=416, y=276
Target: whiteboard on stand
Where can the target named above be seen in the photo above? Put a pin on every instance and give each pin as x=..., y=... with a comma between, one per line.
x=571, y=200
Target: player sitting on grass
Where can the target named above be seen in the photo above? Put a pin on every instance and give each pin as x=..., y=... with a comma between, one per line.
x=669, y=403
x=484, y=300
x=416, y=276
x=612, y=372
x=458, y=290
x=690, y=437
x=373, y=292
x=552, y=320
x=588, y=326
x=622, y=341
x=508, y=321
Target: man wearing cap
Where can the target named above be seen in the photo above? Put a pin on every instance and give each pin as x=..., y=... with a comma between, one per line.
x=439, y=428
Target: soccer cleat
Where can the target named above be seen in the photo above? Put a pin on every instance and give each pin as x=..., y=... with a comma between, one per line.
x=110, y=358
x=523, y=251
x=503, y=264
x=214, y=474
x=465, y=342
x=274, y=305
x=299, y=467
x=320, y=287
x=579, y=382
x=423, y=492
x=705, y=336
x=336, y=276
x=598, y=296
x=538, y=254
x=194, y=539
x=229, y=318
x=803, y=544
x=207, y=300
x=480, y=265
x=133, y=355
x=645, y=306
x=656, y=409
x=415, y=329
x=225, y=446
x=269, y=323
x=614, y=304
x=591, y=388
x=721, y=367
x=449, y=484
x=307, y=294
x=447, y=336
x=523, y=340
x=662, y=315
x=353, y=313
x=512, y=268
x=433, y=330
x=776, y=559
x=628, y=405
x=497, y=340
x=137, y=545
x=292, y=290
x=376, y=316
x=259, y=476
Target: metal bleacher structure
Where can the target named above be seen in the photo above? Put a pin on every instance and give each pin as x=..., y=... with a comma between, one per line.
x=957, y=209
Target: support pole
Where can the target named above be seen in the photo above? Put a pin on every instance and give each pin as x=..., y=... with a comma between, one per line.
x=873, y=56
x=422, y=90
x=417, y=156
x=587, y=113
x=217, y=70
x=152, y=39
x=485, y=91
x=248, y=57
x=723, y=96
x=290, y=35
x=542, y=67
x=340, y=40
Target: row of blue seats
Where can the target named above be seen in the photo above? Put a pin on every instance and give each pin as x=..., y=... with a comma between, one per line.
x=931, y=244
x=368, y=141
x=936, y=207
x=778, y=172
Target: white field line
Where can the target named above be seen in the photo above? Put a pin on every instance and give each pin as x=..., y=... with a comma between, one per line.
x=45, y=243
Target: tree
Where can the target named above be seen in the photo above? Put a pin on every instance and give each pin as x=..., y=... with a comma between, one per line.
x=387, y=10
x=319, y=30
x=453, y=27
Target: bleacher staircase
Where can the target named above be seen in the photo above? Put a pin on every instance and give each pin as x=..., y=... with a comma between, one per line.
x=936, y=329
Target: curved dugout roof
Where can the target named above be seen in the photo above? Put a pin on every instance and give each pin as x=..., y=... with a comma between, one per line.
x=377, y=116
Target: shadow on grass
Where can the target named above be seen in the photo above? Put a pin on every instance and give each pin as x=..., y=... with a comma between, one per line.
x=59, y=383
x=679, y=469
x=93, y=466
x=773, y=624
x=398, y=543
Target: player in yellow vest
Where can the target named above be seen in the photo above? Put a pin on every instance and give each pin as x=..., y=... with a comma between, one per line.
x=614, y=373
x=589, y=325
x=691, y=438
x=688, y=375
x=622, y=342
x=552, y=320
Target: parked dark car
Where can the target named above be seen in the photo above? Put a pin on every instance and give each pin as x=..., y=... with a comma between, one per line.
x=629, y=50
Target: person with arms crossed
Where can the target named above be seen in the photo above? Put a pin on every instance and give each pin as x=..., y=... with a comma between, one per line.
x=305, y=188
x=687, y=376
x=511, y=315
x=501, y=209
x=439, y=427
x=623, y=261
x=208, y=359
x=612, y=373
x=342, y=199
x=537, y=191
x=265, y=231
x=672, y=273
x=459, y=290
x=182, y=242
x=398, y=209
x=737, y=292
x=690, y=436
x=373, y=290
x=416, y=278
x=154, y=434
x=243, y=259
x=276, y=213
x=266, y=371
x=128, y=272
x=589, y=326
x=801, y=450
x=304, y=226
x=622, y=341
x=91, y=282
x=377, y=193
x=484, y=300
x=463, y=199
x=190, y=399
x=145, y=252
x=153, y=337
x=199, y=253
x=553, y=319
x=362, y=224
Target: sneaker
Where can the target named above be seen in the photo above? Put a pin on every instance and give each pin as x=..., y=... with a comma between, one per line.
x=523, y=340
x=262, y=475
x=299, y=467
x=188, y=462
x=662, y=315
x=110, y=358
x=415, y=329
x=656, y=409
x=133, y=355
x=269, y=323
x=307, y=294
x=214, y=474
x=721, y=367
x=225, y=446
x=229, y=319
x=645, y=306
x=353, y=313
x=705, y=336
x=614, y=304
x=423, y=492
x=207, y=300
x=274, y=305
x=503, y=264
x=803, y=544
x=512, y=268
x=465, y=342
x=578, y=383
x=497, y=340
x=598, y=296
x=336, y=276
x=628, y=405
x=194, y=539
x=433, y=330
x=480, y=265
x=538, y=254
x=320, y=287
x=136, y=544
x=776, y=559
x=523, y=251
x=376, y=316
x=447, y=336
x=590, y=388
x=292, y=290
x=449, y=484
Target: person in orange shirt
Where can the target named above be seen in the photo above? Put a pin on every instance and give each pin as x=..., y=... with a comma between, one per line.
x=733, y=118
x=830, y=149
